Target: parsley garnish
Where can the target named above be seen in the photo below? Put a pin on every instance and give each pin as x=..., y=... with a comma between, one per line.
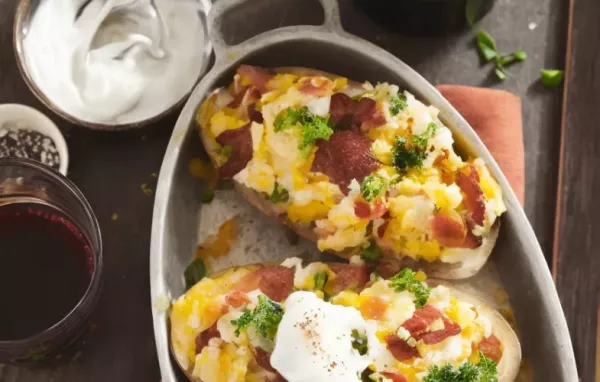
x=404, y=158
x=552, y=78
x=279, y=194
x=359, y=342
x=320, y=280
x=484, y=371
x=421, y=140
x=398, y=103
x=405, y=280
x=194, y=273
x=226, y=150
x=371, y=253
x=313, y=126
x=371, y=187
x=489, y=52
x=265, y=318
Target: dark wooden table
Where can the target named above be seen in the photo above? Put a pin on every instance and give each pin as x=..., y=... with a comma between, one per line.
x=111, y=167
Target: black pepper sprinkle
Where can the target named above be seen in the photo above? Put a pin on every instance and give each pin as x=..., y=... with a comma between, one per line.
x=19, y=142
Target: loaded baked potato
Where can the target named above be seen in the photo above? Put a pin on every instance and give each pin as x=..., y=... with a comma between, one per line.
x=337, y=322
x=353, y=167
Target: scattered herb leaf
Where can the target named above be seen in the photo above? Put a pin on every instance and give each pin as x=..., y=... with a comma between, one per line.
x=405, y=280
x=552, y=78
x=265, y=318
x=360, y=342
x=114, y=217
x=146, y=189
x=194, y=273
x=320, y=279
x=509, y=59
x=404, y=158
x=398, y=103
x=473, y=10
x=372, y=186
x=313, y=126
x=421, y=140
x=371, y=253
x=207, y=195
x=487, y=45
x=279, y=194
x=500, y=73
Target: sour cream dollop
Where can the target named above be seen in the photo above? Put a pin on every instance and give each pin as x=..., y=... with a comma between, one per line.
x=314, y=341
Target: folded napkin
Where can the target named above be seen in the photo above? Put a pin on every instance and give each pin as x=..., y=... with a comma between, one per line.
x=496, y=117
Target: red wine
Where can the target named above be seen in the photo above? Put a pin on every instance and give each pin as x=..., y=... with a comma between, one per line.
x=45, y=268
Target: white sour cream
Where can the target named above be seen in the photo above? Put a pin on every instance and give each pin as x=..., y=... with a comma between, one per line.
x=105, y=85
x=314, y=341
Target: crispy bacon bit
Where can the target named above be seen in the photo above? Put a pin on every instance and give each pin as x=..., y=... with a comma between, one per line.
x=263, y=359
x=346, y=156
x=315, y=86
x=364, y=210
x=236, y=299
x=418, y=326
x=355, y=115
x=388, y=267
x=275, y=281
x=382, y=228
x=448, y=231
x=474, y=199
x=395, y=377
x=491, y=347
x=400, y=349
x=348, y=276
x=205, y=336
x=240, y=140
x=253, y=114
x=442, y=156
x=259, y=77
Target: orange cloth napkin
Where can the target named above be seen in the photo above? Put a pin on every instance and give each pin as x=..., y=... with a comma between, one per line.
x=496, y=117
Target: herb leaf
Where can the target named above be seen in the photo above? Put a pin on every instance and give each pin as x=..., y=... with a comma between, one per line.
x=484, y=371
x=405, y=280
x=286, y=119
x=371, y=187
x=371, y=253
x=360, y=342
x=473, y=10
x=207, y=195
x=265, y=318
x=404, y=158
x=313, y=126
x=552, y=78
x=320, y=279
x=421, y=140
x=194, y=273
x=398, y=103
x=509, y=59
x=487, y=45
x=500, y=73
x=279, y=194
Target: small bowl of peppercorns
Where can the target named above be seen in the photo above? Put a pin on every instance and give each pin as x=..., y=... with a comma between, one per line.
x=27, y=133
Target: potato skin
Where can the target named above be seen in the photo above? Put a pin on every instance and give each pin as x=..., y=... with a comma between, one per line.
x=435, y=269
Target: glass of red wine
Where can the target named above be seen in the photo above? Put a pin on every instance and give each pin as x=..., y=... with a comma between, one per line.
x=50, y=262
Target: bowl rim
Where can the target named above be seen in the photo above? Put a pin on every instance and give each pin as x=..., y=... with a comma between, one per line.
x=22, y=11
x=46, y=126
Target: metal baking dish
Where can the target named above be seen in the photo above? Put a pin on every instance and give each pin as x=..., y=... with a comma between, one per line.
x=518, y=258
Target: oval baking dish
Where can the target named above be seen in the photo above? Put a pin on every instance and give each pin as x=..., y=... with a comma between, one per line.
x=517, y=256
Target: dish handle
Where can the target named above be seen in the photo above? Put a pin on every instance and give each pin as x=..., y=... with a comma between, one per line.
x=331, y=11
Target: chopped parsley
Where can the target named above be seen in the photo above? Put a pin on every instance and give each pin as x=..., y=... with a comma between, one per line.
x=313, y=126
x=226, y=151
x=371, y=187
x=320, y=280
x=485, y=371
x=265, y=318
x=371, y=253
x=489, y=53
x=422, y=140
x=207, y=195
x=279, y=194
x=398, y=103
x=194, y=273
x=552, y=78
x=405, y=280
x=360, y=342
x=404, y=158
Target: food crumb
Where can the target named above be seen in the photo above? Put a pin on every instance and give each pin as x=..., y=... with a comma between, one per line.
x=154, y=175
x=114, y=217
x=162, y=303
x=532, y=26
x=146, y=189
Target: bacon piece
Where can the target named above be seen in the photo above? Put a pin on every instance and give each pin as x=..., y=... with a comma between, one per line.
x=474, y=199
x=341, y=110
x=359, y=115
x=400, y=349
x=315, y=86
x=240, y=140
x=418, y=326
x=349, y=276
x=367, y=115
x=448, y=231
x=205, y=336
x=253, y=114
x=364, y=210
x=491, y=347
x=275, y=281
x=263, y=359
x=259, y=77
x=382, y=228
x=346, y=156
x=236, y=299
x=395, y=377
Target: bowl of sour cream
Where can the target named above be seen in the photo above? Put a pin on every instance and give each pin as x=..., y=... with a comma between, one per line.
x=112, y=64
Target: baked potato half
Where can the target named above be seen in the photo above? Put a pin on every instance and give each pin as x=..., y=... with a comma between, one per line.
x=337, y=322
x=353, y=167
